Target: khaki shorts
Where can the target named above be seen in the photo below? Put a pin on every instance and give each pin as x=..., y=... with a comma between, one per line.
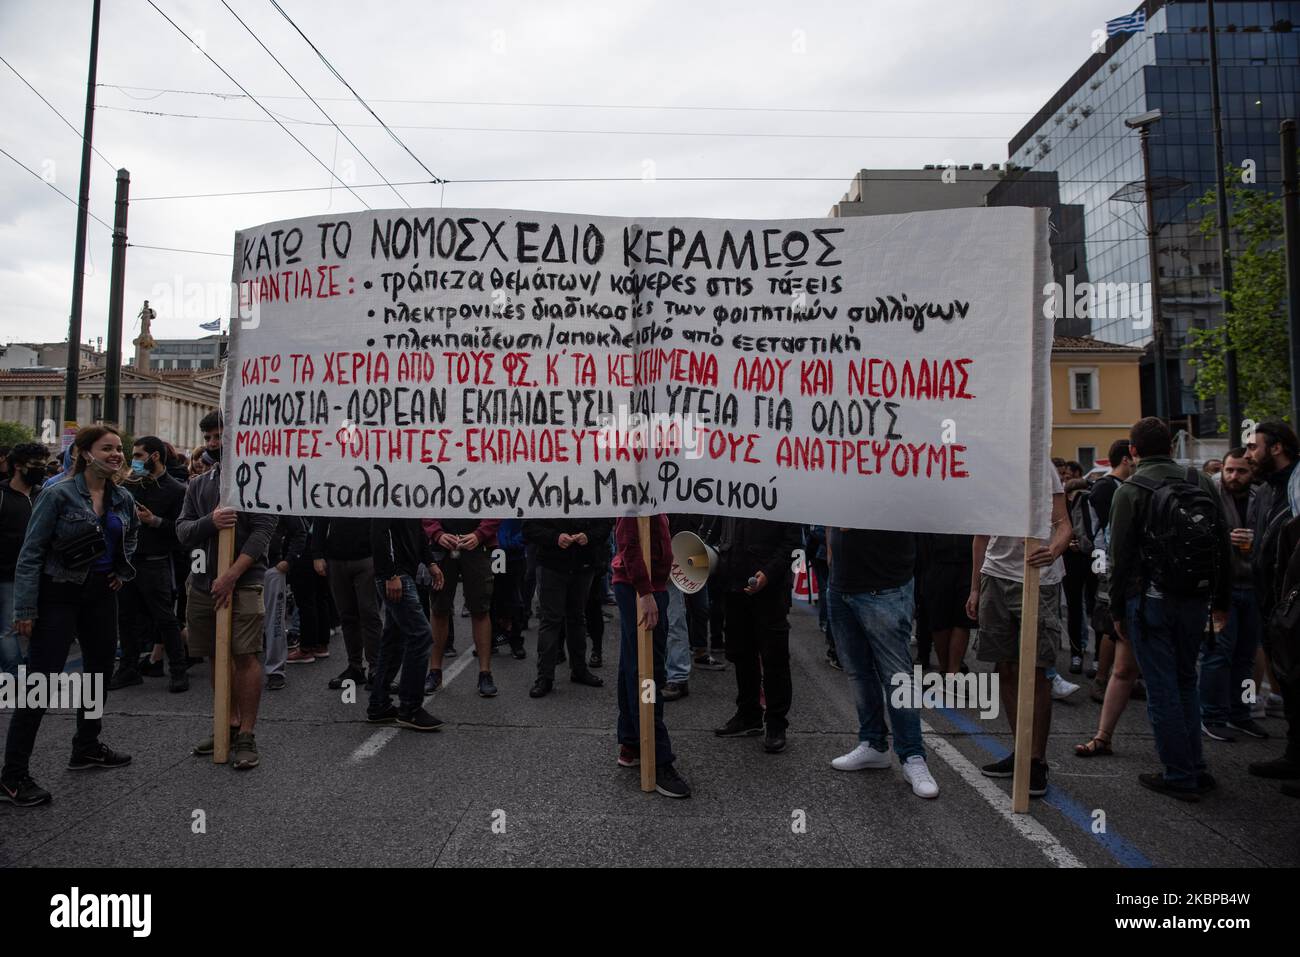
x=245, y=628
x=475, y=570
x=999, y=621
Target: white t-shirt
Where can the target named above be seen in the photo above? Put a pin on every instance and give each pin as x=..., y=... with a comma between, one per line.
x=1005, y=556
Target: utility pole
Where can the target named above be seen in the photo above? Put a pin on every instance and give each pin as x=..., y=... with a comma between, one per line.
x=1225, y=259
x=116, y=290
x=70, y=389
x=1291, y=217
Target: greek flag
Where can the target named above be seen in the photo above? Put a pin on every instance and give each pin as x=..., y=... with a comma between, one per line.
x=1133, y=23
x=213, y=326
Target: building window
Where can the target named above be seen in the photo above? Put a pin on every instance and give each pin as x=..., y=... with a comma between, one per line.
x=1087, y=457
x=1085, y=396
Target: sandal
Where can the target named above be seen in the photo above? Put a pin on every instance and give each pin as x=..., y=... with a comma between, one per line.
x=1098, y=747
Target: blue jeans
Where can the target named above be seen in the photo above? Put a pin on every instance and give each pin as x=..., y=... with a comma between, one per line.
x=406, y=641
x=871, y=631
x=629, y=691
x=1166, y=635
x=679, y=637
x=11, y=652
x=1228, y=660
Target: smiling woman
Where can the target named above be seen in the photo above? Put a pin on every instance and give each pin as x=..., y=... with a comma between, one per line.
x=75, y=557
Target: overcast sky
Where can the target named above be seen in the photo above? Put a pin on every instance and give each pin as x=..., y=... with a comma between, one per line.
x=943, y=80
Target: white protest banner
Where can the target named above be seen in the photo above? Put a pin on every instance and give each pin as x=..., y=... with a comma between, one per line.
x=876, y=372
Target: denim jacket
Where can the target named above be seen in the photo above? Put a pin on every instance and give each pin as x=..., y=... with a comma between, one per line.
x=64, y=510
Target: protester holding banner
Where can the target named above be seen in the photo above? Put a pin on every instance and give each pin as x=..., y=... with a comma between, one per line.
x=567, y=556
x=642, y=596
x=77, y=554
x=756, y=558
x=871, y=606
x=996, y=602
x=340, y=551
x=198, y=528
x=465, y=556
x=400, y=547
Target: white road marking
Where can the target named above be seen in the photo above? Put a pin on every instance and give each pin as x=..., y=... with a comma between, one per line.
x=1025, y=825
x=375, y=743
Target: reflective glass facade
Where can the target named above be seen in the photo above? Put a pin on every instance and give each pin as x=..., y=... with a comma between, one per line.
x=1080, y=136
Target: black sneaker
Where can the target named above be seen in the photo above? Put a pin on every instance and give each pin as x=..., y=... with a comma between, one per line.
x=348, y=674
x=518, y=650
x=1155, y=781
x=541, y=688
x=1076, y=665
x=1004, y=768
x=595, y=660
x=98, y=755
x=178, y=683
x=1249, y=727
x=275, y=682
x=707, y=662
x=418, y=720
x=486, y=686
x=774, y=742
x=24, y=792
x=585, y=677
x=450, y=651
x=833, y=660
x=433, y=681
x=150, y=669
x=1276, y=769
x=671, y=784
x=1216, y=731
x=385, y=715
x=1037, y=778
x=124, y=678
x=738, y=728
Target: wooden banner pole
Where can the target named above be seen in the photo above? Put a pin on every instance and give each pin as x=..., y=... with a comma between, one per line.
x=1024, y=742
x=221, y=660
x=646, y=675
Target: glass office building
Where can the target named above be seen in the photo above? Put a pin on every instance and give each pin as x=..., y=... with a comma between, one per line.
x=1079, y=136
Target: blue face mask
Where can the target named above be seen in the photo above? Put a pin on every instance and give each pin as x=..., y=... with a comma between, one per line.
x=137, y=468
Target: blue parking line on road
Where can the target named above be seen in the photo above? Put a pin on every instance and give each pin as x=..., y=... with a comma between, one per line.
x=1118, y=848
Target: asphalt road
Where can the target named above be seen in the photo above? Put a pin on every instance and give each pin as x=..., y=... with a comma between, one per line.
x=517, y=781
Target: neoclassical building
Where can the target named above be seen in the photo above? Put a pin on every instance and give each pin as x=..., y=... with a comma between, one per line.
x=168, y=404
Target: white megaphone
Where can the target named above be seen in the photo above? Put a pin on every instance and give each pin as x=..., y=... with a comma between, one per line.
x=693, y=560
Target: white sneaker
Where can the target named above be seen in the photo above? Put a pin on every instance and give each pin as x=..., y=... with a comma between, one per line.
x=860, y=758
x=1062, y=689
x=918, y=775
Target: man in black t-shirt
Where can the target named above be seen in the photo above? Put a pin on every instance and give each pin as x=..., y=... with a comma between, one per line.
x=871, y=606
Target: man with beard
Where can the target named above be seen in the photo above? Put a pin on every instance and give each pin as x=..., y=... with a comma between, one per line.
x=1228, y=658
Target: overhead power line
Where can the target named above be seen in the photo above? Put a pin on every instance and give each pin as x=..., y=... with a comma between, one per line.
x=255, y=100
x=57, y=113
x=739, y=134
x=339, y=77
x=314, y=103
x=53, y=187
x=525, y=104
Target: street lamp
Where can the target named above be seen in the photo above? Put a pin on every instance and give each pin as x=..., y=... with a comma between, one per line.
x=1143, y=123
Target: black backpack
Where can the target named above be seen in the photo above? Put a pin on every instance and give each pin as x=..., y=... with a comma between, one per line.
x=1180, y=535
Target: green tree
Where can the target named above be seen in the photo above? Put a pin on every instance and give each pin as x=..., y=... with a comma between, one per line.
x=12, y=433
x=1256, y=326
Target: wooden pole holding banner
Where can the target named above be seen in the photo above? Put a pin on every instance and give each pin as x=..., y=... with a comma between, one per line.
x=221, y=659
x=645, y=667
x=1026, y=685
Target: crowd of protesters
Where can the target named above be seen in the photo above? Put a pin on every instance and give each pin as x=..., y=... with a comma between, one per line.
x=1160, y=582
